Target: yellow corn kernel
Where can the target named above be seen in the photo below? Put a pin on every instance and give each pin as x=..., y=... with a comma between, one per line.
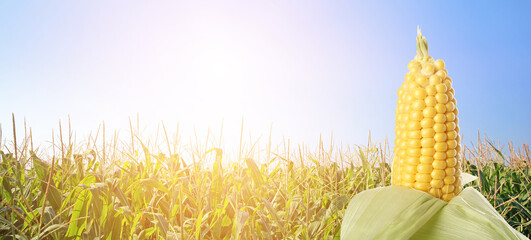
x=448, y=189
x=447, y=197
x=441, y=98
x=414, y=125
x=397, y=141
x=424, y=168
x=414, y=64
x=440, y=118
x=428, y=68
x=421, y=80
x=450, y=107
x=410, y=169
x=457, y=187
x=440, y=108
x=435, y=80
x=458, y=164
x=427, y=132
x=431, y=90
x=437, y=183
x=419, y=93
x=421, y=186
x=439, y=64
x=448, y=83
x=429, y=112
x=439, y=156
x=451, y=134
x=408, y=178
x=403, y=134
x=430, y=101
x=414, y=161
x=439, y=127
x=419, y=104
x=409, y=98
x=441, y=88
x=440, y=137
x=440, y=146
x=400, y=92
x=411, y=86
x=427, y=123
x=450, y=171
x=437, y=174
x=402, y=153
x=436, y=192
x=427, y=142
x=439, y=164
x=414, y=152
x=415, y=143
x=451, y=93
x=402, y=107
x=451, y=153
x=415, y=115
x=451, y=161
x=423, y=177
x=427, y=151
x=451, y=125
x=441, y=73
x=449, y=79
x=449, y=180
x=450, y=116
x=452, y=144
x=426, y=160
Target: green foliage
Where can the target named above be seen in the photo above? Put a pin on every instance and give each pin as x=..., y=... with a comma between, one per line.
x=508, y=189
x=141, y=195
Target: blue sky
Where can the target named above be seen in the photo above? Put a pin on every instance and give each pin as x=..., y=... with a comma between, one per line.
x=305, y=67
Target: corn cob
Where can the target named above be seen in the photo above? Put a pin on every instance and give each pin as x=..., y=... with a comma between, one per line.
x=427, y=143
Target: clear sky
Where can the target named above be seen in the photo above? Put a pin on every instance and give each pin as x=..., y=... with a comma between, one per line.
x=307, y=67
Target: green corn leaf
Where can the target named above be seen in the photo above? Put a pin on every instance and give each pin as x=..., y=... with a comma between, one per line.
x=80, y=210
x=239, y=222
x=404, y=213
x=226, y=221
x=48, y=230
x=369, y=182
x=162, y=223
x=153, y=183
x=41, y=168
x=7, y=186
x=254, y=171
x=216, y=186
x=198, y=224
x=53, y=196
x=78, y=159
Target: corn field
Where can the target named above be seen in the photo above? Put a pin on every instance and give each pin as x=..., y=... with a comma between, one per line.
x=111, y=189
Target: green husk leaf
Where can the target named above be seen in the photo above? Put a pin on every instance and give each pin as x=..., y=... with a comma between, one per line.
x=403, y=213
x=467, y=178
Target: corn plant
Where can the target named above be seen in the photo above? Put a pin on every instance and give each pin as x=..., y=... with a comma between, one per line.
x=112, y=189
